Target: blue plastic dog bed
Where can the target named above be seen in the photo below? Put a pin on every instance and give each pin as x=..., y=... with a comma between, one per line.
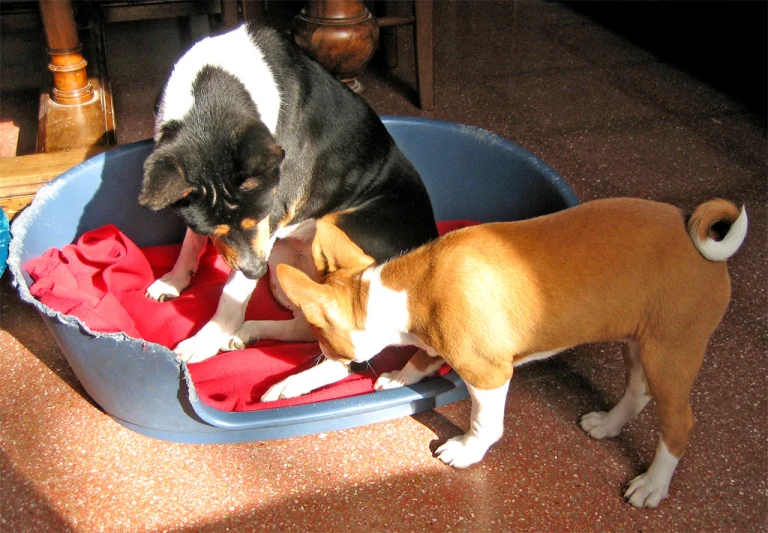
x=470, y=174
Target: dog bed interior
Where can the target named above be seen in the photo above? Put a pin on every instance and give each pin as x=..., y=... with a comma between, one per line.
x=101, y=279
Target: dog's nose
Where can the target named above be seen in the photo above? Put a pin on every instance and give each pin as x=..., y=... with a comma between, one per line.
x=254, y=271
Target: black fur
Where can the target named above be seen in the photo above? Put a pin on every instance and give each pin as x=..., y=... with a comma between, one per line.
x=220, y=165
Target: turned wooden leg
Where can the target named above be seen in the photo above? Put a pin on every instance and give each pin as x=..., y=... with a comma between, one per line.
x=388, y=35
x=422, y=21
x=424, y=63
x=341, y=35
x=70, y=80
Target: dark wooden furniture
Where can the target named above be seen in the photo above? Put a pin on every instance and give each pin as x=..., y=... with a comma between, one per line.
x=342, y=35
x=76, y=117
x=22, y=176
x=67, y=64
x=76, y=101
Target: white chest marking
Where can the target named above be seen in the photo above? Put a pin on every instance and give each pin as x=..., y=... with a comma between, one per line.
x=303, y=231
x=387, y=319
x=235, y=53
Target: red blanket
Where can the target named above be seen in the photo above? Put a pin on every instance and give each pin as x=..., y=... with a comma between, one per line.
x=102, y=278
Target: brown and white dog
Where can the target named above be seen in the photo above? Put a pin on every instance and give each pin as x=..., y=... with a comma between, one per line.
x=490, y=297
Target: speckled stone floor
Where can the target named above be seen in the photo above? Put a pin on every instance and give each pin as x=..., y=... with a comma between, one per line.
x=615, y=113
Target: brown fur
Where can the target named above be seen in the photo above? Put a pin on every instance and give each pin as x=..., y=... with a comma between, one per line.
x=342, y=253
x=333, y=218
x=604, y=271
x=228, y=253
x=339, y=263
x=248, y=223
x=297, y=206
x=489, y=296
x=221, y=230
x=421, y=360
x=707, y=215
x=260, y=242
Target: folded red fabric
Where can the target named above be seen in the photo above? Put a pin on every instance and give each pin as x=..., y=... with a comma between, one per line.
x=86, y=279
x=102, y=278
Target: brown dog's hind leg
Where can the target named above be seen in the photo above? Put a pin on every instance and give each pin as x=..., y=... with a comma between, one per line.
x=601, y=424
x=670, y=382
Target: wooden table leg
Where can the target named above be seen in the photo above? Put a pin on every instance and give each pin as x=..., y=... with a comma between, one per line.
x=70, y=80
x=341, y=35
x=424, y=58
x=75, y=100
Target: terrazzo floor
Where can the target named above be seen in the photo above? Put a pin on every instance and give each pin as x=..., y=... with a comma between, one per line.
x=616, y=115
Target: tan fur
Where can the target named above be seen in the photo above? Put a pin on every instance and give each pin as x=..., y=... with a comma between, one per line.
x=341, y=299
x=604, y=271
x=260, y=242
x=227, y=253
x=248, y=223
x=708, y=214
x=421, y=361
x=332, y=250
x=312, y=260
x=290, y=214
x=333, y=218
x=221, y=230
x=338, y=264
x=488, y=296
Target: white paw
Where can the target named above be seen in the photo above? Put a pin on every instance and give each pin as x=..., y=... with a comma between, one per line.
x=598, y=425
x=462, y=451
x=168, y=287
x=291, y=387
x=390, y=380
x=646, y=491
x=203, y=345
x=238, y=341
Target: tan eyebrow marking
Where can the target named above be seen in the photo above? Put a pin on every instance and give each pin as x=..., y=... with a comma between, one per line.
x=249, y=223
x=221, y=230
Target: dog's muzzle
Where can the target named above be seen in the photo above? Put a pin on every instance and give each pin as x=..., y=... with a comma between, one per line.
x=255, y=271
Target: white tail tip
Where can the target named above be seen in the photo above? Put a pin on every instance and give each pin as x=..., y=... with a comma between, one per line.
x=725, y=248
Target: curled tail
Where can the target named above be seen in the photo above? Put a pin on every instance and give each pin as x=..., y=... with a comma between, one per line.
x=718, y=228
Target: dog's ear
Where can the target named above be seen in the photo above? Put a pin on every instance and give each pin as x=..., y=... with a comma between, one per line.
x=259, y=156
x=332, y=250
x=314, y=299
x=168, y=133
x=164, y=182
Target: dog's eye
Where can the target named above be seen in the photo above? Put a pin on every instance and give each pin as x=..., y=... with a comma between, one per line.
x=187, y=200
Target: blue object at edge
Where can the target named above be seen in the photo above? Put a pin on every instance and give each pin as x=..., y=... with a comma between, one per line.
x=5, y=239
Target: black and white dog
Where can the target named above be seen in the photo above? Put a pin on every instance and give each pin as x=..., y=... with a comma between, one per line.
x=255, y=142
